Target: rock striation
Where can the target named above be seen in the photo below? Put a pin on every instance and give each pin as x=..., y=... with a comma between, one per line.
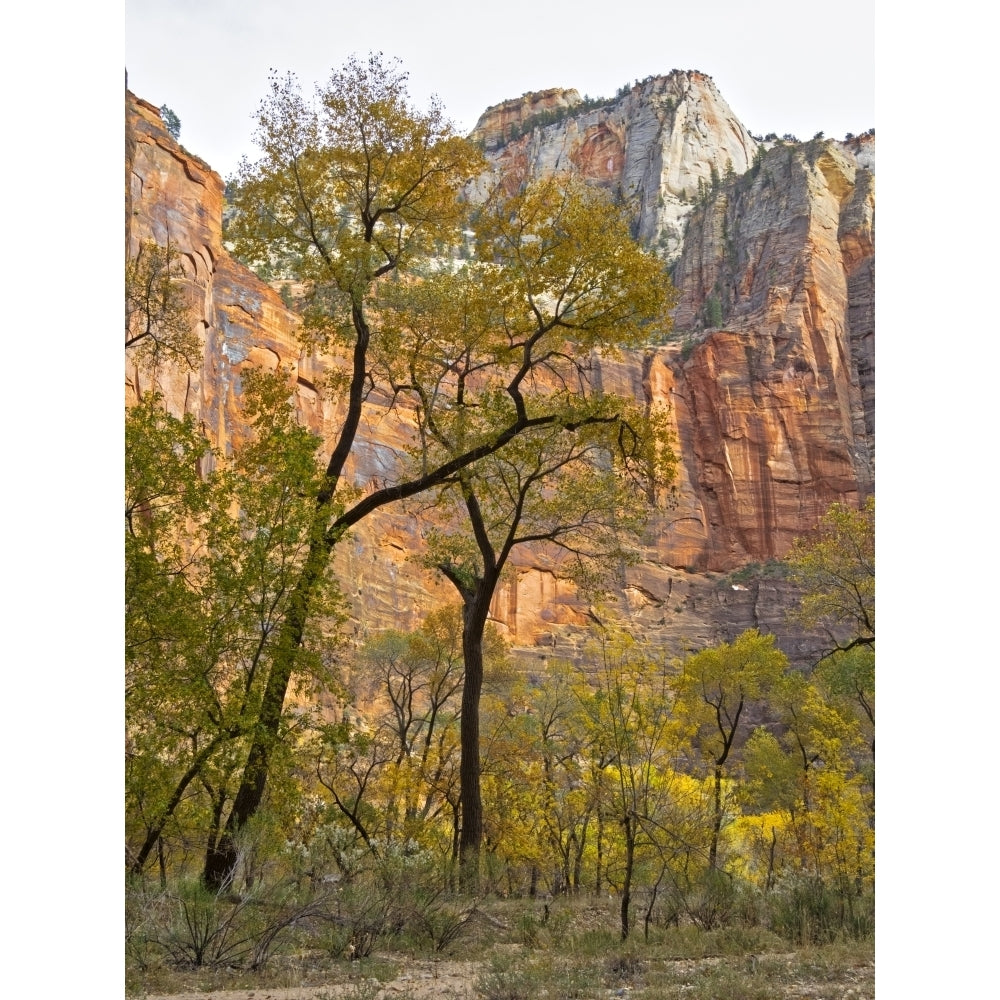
x=498, y=124
x=658, y=145
x=769, y=372
x=774, y=381
x=173, y=197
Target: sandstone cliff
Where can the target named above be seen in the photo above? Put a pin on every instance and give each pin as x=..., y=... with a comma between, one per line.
x=656, y=145
x=775, y=383
x=770, y=372
x=174, y=197
x=497, y=125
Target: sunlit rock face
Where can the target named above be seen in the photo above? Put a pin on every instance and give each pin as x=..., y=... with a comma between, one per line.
x=497, y=124
x=769, y=374
x=176, y=199
x=776, y=394
x=658, y=144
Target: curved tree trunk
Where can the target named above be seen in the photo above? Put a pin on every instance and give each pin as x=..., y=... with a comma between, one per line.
x=155, y=831
x=221, y=858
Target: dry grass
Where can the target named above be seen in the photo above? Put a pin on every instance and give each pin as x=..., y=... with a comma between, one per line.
x=517, y=950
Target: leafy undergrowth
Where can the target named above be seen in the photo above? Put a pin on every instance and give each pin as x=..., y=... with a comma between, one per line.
x=523, y=950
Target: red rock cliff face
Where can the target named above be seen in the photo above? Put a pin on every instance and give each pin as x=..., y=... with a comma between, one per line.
x=770, y=374
x=772, y=247
x=657, y=144
x=496, y=124
x=174, y=197
x=775, y=402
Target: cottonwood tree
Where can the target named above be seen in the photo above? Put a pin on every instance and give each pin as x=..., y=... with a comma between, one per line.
x=536, y=805
x=513, y=848
x=808, y=771
x=847, y=682
x=636, y=735
x=836, y=569
x=715, y=688
x=555, y=730
x=835, y=566
x=355, y=191
x=210, y=564
x=400, y=767
x=557, y=278
x=163, y=495
x=546, y=491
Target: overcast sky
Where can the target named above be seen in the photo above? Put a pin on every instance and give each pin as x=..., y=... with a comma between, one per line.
x=781, y=65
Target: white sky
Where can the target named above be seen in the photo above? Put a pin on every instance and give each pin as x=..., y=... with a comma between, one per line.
x=783, y=65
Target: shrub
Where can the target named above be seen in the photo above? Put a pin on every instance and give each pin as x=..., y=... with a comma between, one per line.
x=197, y=928
x=528, y=928
x=510, y=977
x=739, y=940
x=506, y=979
x=711, y=899
x=145, y=914
x=773, y=569
x=207, y=928
x=624, y=966
x=404, y=893
x=808, y=911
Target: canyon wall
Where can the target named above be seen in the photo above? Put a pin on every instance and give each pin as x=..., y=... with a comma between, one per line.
x=774, y=381
x=657, y=145
x=769, y=372
x=176, y=199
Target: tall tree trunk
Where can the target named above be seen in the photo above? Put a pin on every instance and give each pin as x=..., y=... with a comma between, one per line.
x=599, y=869
x=470, y=795
x=221, y=858
x=648, y=917
x=713, y=850
x=578, y=859
x=629, y=824
x=769, y=884
x=456, y=832
x=163, y=863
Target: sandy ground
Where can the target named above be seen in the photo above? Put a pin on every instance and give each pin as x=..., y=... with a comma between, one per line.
x=420, y=980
